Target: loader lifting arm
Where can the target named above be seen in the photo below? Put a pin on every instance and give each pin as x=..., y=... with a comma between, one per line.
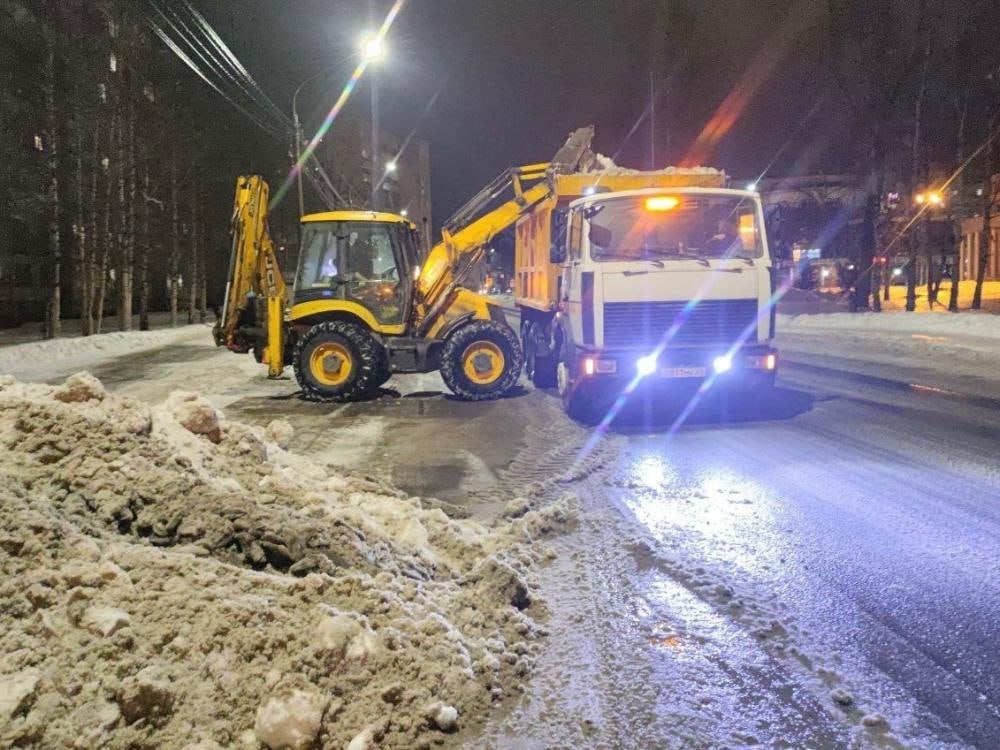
x=253, y=273
x=466, y=234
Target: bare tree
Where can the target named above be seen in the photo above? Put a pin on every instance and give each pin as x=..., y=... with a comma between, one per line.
x=991, y=201
x=193, y=262
x=874, y=47
x=173, y=261
x=53, y=317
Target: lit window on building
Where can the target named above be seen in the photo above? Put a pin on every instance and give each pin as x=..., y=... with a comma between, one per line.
x=39, y=143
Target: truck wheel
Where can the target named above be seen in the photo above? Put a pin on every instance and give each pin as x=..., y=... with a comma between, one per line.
x=336, y=361
x=541, y=370
x=573, y=393
x=481, y=360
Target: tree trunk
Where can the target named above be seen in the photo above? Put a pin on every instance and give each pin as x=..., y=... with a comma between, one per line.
x=127, y=272
x=984, y=239
x=53, y=315
x=193, y=280
x=873, y=204
x=202, y=288
x=143, y=259
x=962, y=106
x=175, y=244
x=80, y=229
x=107, y=246
x=933, y=280
x=90, y=271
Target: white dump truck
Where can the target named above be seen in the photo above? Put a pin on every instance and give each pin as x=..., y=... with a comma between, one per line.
x=627, y=279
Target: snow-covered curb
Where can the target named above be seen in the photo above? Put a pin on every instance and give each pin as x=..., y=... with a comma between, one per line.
x=957, y=352
x=40, y=360
x=979, y=325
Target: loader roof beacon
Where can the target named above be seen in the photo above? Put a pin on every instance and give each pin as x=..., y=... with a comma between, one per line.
x=365, y=305
x=612, y=266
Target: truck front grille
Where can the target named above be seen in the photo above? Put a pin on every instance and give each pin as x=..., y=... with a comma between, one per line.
x=644, y=324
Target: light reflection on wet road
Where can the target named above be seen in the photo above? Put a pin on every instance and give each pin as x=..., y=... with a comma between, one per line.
x=865, y=536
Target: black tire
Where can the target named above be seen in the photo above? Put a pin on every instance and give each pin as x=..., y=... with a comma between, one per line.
x=365, y=356
x=575, y=399
x=541, y=370
x=384, y=373
x=492, y=335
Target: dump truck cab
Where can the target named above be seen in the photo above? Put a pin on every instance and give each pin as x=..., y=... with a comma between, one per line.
x=668, y=284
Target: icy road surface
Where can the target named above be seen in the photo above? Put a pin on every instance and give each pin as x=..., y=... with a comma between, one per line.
x=822, y=570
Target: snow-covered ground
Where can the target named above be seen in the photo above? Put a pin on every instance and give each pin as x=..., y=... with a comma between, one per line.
x=959, y=352
x=43, y=360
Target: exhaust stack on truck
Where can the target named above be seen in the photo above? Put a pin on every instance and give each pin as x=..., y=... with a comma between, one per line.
x=655, y=278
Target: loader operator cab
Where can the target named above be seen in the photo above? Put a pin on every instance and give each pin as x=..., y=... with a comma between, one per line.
x=361, y=257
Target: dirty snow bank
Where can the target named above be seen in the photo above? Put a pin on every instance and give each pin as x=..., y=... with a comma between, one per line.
x=169, y=578
x=36, y=360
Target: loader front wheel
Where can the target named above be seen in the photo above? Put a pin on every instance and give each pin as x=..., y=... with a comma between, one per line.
x=481, y=360
x=336, y=361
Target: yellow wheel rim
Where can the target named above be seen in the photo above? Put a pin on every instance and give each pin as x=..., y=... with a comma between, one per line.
x=330, y=364
x=483, y=362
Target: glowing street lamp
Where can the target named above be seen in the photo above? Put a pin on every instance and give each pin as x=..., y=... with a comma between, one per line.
x=372, y=46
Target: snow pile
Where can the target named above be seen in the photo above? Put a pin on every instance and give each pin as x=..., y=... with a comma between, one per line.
x=606, y=165
x=172, y=579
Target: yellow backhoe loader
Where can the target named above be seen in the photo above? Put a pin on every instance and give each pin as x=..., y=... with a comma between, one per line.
x=365, y=305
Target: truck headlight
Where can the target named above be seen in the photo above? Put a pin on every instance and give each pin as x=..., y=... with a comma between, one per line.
x=646, y=365
x=722, y=364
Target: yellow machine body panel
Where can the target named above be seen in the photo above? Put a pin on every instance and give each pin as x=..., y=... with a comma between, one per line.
x=358, y=215
x=462, y=302
x=328, y=308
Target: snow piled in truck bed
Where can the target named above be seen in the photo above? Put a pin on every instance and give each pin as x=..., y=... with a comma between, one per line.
x=607, y=165
x=169, y=578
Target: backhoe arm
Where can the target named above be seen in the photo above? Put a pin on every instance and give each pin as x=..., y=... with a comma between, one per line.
x=253, y=272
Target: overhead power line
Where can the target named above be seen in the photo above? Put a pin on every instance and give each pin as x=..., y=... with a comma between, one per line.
x=193, y=40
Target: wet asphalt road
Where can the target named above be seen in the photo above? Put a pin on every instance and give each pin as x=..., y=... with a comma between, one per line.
x=730, y=574
x=864, y=520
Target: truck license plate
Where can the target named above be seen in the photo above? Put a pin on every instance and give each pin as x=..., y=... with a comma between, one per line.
x=683, y=372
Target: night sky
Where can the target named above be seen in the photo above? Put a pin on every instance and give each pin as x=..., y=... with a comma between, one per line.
x=515, y=76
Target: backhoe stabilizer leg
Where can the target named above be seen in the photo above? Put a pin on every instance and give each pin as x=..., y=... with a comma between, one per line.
x=275, y=337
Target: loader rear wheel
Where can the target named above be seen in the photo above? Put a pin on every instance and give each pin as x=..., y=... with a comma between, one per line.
x=481, y=360
x=336, y=361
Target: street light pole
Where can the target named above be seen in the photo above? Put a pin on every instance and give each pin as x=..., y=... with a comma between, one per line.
x=376, y=167
x=298, y=158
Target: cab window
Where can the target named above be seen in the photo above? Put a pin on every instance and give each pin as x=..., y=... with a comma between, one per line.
x=575, y=235
x=355, y=261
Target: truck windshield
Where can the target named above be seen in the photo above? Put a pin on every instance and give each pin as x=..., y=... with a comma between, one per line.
x=353, y=260
x=674, y=227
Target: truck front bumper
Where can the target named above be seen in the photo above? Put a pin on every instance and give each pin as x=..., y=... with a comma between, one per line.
x=688, y=364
